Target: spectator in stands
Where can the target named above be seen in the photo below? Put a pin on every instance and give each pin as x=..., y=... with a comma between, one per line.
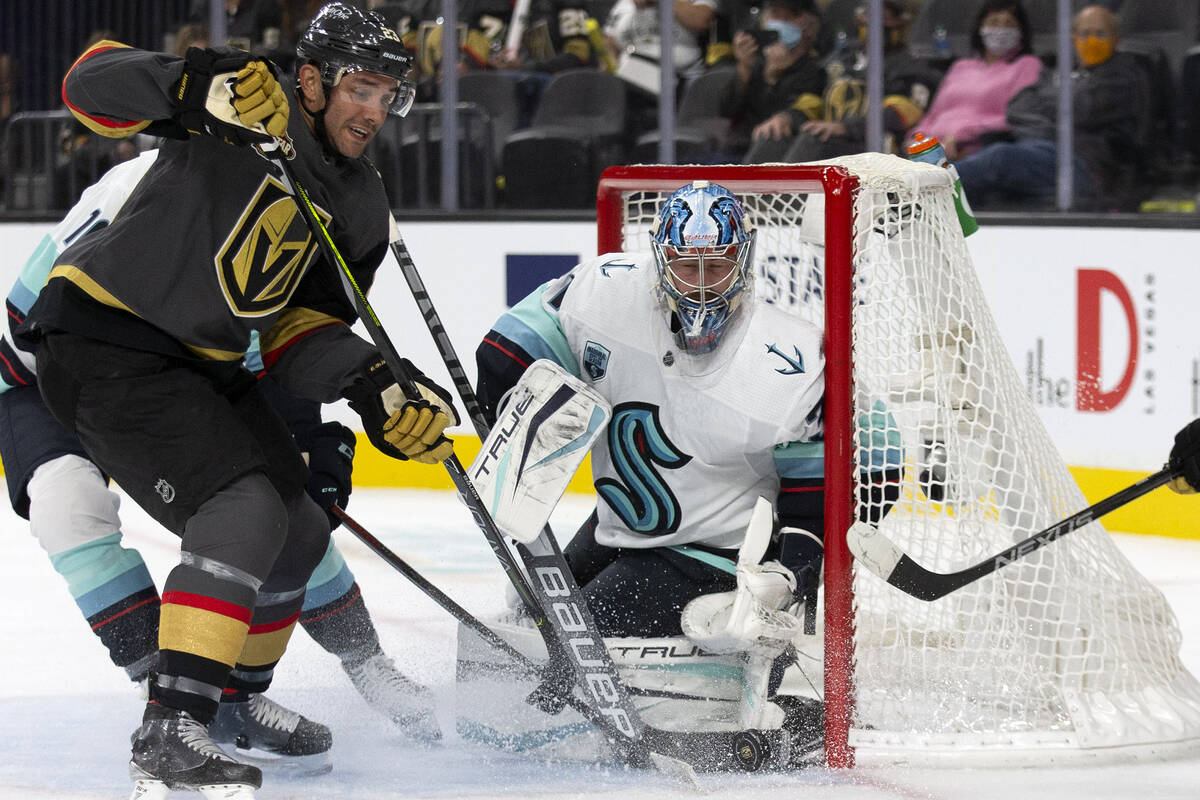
x=554, y=38
x=632, y=25
x=1110, y=117
x=908, y=83
x=776, y=87
x=970, y=103
x=634, y=44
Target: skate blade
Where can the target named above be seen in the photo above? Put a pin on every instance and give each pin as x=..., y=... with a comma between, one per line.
x=150, y=789
x=286, y=766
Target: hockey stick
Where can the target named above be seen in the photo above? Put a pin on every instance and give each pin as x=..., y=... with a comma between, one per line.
x=542, y=556
x=449, y=356
x=588, y=654
x=706, y=750
x=883, y=557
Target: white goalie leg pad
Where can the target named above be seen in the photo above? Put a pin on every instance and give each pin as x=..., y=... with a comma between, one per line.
x=550, y=422
x=753, y=618
x=70, y=504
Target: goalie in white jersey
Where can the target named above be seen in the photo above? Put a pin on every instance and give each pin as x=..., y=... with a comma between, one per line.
x=717, y=400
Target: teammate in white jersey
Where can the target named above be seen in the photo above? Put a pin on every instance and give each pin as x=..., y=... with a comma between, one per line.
x=717, y=400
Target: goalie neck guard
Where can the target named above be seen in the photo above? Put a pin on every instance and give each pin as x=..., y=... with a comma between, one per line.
x=703, y=252
x=342, y=39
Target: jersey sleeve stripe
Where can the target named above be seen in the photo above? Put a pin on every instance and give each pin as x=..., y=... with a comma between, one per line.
x=496, y=344
x=14, y=371
x=538, y=332
x=115, y=129
x=800, y=460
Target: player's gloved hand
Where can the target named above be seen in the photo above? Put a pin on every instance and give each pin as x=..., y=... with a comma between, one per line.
x=260, y=98
x=1185, y=455
x=399, y=427
x=330, y=451
x=232, y=95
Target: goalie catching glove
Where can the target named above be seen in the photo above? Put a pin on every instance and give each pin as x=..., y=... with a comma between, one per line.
x=399, y=427
x=756, y=617
x=231, y=95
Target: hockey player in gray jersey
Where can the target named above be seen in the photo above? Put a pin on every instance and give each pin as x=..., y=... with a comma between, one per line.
x=142, y=327
x=73, y=515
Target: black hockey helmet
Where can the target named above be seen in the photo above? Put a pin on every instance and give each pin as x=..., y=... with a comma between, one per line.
x=342, y=39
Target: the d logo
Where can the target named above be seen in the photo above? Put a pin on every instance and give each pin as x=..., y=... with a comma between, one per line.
x=1092, y=283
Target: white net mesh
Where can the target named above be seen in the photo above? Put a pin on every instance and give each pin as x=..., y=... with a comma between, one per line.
x=1068, y=649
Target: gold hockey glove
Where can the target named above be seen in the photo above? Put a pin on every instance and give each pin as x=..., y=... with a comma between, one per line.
x=397, y=426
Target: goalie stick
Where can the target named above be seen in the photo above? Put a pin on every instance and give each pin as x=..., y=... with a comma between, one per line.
x=884, y=558
x=541, y=556
x=709, y=751
x=570, y=633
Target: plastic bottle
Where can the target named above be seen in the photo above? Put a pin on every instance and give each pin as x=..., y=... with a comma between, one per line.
x=930, y=150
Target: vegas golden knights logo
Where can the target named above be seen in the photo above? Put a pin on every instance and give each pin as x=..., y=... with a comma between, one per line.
x=267, y=252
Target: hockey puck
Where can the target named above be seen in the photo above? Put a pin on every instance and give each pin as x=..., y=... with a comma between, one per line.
x=750, y=750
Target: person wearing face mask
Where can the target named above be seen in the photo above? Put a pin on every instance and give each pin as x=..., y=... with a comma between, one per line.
x=777, y=86
x=1111, y=119
x=969, y=106
x=841, y=126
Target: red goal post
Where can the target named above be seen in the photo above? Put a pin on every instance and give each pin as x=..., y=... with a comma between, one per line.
x=838, y=186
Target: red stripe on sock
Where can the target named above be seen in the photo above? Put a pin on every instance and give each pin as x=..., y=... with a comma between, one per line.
x=271, y=627
x=204, y=603
x=120, y=614
x=339, y=609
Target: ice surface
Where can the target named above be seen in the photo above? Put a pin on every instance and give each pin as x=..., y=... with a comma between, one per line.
x=66, y=713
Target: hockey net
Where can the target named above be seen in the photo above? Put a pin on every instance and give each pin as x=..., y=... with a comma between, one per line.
x=1065, y=654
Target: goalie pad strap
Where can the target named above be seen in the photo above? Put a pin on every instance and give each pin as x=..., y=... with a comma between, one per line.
x=712, y=559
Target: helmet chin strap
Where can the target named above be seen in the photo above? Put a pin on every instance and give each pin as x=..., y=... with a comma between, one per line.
x=318, y=117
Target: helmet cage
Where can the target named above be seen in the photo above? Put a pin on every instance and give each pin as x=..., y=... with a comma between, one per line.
x=703, y=288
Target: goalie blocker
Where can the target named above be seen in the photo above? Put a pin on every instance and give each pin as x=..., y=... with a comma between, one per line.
x=549, y=423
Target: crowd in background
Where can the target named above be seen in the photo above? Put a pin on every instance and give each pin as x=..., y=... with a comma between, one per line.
x=762, y=81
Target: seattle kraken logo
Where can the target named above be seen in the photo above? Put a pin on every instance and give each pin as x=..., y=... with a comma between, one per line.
x=795, y=365
x=616, y=264
x=641, y=498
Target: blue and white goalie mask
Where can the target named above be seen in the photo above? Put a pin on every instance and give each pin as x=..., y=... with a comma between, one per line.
x=704, y=254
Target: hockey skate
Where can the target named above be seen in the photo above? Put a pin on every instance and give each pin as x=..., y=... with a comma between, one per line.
x=273, y=737
x=172, y=750
x=406, y=703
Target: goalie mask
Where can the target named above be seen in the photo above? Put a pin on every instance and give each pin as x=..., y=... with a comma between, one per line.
x=704, y=255
x=341, y=40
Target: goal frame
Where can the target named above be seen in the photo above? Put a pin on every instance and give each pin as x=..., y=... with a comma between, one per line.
x=839, y=187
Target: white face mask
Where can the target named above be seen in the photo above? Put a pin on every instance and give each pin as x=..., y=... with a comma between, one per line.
x=1000, y=41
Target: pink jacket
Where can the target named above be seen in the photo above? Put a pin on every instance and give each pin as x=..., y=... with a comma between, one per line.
x=973, y=96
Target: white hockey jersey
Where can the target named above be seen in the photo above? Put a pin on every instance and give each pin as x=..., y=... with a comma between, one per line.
x=693, y=439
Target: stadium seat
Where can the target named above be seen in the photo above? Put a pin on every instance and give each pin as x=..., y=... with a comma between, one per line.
x=495, y=93
x=700, y=130
x=408, y=154
x=578, y=129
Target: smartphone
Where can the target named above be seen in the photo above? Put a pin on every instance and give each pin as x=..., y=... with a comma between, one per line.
x=764, y=37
